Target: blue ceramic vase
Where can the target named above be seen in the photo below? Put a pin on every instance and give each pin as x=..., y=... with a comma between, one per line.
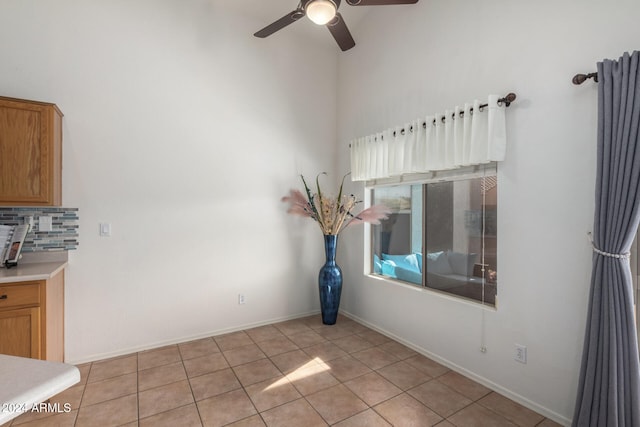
x=330, y=282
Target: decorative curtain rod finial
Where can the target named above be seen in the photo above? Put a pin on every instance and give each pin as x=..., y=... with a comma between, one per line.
x=508, y=99
x=578, y=79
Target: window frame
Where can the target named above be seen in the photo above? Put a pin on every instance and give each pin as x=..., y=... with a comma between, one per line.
x=466, y=173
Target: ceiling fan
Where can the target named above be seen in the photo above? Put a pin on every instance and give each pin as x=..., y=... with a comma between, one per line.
x=325, y=12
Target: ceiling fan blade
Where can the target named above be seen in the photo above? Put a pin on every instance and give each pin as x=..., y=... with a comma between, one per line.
x=379, y=2
x=289, y=18
x=341, y=33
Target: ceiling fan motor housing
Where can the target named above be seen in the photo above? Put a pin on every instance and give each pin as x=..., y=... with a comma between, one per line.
x=305, y=3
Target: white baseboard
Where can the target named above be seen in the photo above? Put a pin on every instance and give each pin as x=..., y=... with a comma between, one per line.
x=158, y=344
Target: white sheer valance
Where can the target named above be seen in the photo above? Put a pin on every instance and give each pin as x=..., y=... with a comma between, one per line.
x=464, y=136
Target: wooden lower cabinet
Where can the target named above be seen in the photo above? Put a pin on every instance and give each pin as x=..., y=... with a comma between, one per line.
x=32, y=318
x=20, y=332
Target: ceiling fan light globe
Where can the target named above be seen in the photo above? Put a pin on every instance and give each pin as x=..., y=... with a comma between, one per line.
x=321, y=11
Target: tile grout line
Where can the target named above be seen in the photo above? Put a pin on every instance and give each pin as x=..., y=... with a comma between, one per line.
x=496, y=412
x=138, y=386
x=242, y=385
x=84, y=389
x=195, y=402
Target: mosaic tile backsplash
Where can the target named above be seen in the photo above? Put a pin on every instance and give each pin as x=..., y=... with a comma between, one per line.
x=62, y=237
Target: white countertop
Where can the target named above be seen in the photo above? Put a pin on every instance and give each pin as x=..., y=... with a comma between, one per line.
x=28, y=382
x=31, y=271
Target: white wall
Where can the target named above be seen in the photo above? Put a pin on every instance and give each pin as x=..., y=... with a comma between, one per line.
x=414, y=60
x=183, y=131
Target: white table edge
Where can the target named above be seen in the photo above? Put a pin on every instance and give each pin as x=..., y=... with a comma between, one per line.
x=25, y=383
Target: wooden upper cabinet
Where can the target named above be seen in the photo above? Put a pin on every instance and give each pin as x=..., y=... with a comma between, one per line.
x=30, y=153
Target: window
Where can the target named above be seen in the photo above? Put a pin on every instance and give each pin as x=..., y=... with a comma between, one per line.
x=441, y=235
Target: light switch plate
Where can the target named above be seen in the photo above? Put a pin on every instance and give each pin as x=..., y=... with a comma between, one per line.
x=105, y=229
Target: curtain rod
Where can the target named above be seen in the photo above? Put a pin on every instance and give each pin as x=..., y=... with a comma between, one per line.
x=578, y=79
x=506, y=100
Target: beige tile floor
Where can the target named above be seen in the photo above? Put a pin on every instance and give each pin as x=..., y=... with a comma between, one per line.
x=295, y=373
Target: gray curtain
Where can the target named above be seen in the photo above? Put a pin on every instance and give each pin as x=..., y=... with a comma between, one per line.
x=609, y=389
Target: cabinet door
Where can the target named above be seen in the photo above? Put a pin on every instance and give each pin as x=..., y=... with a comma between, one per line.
x=20, y=332
x=30, y=153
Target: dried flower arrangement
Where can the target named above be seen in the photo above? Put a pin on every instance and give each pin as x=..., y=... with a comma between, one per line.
x=333, y=214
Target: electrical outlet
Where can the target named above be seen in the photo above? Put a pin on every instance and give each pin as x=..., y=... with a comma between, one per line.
x=45, y=223
x=241, y=299
x=520, y=354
